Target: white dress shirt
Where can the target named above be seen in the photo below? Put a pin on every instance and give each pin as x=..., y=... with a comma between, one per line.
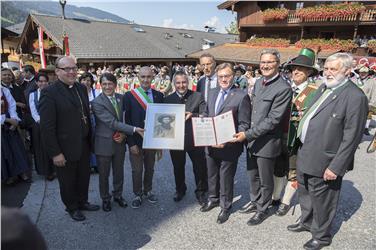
x=11, y=105
x=33, y=109
x=212, y=84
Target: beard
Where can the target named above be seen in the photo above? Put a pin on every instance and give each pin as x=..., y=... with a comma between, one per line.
x=338, y=79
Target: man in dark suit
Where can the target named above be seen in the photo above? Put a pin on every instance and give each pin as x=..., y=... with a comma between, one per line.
x=209, y=81
x=135, y=103
x=330, y=132
x=109, y=144
x=66, y=129
x=194, y=106
x=222, y=159
x=271, y=96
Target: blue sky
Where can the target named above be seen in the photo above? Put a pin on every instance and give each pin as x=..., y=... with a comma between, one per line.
x=173, y=14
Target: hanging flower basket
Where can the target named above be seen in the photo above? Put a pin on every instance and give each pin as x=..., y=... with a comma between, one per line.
x=268, y=42
x=277, y=14
x=334, y=10
x=332, y=44
x=47, y=44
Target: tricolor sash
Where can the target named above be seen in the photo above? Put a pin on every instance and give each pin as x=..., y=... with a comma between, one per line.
x=141, y=97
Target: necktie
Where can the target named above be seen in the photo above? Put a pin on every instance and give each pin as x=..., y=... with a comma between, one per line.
x=221, y=101
x=295, y=91
x=116, y=107
x=312, y=109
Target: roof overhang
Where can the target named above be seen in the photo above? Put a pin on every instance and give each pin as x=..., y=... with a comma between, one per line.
x=243, y=53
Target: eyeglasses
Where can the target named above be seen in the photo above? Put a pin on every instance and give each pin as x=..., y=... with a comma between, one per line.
x=224, y=76
x=267, y=62
x=69, y=69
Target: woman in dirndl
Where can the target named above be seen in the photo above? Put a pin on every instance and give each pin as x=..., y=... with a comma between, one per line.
x=13, y=154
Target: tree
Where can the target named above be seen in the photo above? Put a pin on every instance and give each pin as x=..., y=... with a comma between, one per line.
x=233, y=27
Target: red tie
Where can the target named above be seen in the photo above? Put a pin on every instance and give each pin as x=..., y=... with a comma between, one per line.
x=264, y=82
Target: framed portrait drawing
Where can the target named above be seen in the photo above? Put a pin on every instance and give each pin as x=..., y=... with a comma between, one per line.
x=164, y=126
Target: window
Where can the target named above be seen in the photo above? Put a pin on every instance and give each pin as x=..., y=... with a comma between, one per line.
x=299, y=5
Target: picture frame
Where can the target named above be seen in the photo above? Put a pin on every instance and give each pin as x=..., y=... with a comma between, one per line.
x=164, y=126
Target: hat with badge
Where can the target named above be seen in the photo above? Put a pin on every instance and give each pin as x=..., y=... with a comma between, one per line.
x=306, y=58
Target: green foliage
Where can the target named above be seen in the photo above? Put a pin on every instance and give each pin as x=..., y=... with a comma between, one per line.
x=233, y=28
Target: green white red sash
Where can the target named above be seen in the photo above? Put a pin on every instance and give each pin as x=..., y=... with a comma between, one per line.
x=141, y=97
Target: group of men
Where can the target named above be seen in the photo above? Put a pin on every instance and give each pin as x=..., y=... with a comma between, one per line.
x=302, y=131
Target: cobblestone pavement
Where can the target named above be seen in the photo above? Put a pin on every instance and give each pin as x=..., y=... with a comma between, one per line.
x=171, y=225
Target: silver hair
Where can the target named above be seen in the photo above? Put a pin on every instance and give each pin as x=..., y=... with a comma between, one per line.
x=225, y=65
x=180, y=73
x=345, y=58
x=273, y=52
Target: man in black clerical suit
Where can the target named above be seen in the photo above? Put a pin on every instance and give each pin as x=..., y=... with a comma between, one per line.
x=194, y=106
x=66, y=129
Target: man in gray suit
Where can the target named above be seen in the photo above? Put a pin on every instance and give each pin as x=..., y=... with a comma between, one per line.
x=271, y=96
x=110, y=133
x=330, y=132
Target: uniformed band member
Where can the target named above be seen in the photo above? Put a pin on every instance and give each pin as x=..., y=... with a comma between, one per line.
x=194, y=106
x=222, y=160
x=330, y=132
x=301, y=68
x=271, y=98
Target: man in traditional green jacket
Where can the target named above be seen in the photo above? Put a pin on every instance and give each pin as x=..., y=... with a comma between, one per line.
x=302, y=67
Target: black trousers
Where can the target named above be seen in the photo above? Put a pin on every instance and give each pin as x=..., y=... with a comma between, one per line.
x=74, y=180
x=197, y=155
x=221, y=181
x=318, y=201
x=261, y=180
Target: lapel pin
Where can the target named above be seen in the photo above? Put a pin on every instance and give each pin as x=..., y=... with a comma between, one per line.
x=334, y=97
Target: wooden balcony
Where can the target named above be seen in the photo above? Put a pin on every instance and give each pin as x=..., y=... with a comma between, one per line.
x=255, y=19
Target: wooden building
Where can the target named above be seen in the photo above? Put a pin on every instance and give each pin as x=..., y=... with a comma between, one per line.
x=251, y=22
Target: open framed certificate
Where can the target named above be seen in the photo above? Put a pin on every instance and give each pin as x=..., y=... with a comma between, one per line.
x=209, y=131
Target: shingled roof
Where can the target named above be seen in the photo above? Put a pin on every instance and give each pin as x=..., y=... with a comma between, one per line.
x=109, y=40
x=243, y=53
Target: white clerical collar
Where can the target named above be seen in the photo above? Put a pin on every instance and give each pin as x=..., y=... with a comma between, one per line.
x=181, y=95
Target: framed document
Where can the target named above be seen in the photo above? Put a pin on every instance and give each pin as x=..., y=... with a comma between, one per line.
x=209, y=131
x=164, y=126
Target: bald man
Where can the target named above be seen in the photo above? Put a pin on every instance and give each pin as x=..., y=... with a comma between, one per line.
x=142, y=160
x=66, y=132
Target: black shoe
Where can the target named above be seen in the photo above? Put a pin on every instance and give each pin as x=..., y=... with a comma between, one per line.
x=250, y=207
x=257, y=219
x=209, y=206
x=366, y=131
x=276, y=203
x=201, y=199
x=223, y=216
x=77, y=215
x=121, y=202
x=282, y=209
x=106, y=206
x=178, y=196
x=314, y=245
x=89, y=207
x=297, y=228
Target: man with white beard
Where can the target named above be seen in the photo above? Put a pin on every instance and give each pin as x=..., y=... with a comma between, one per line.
x=330, y=132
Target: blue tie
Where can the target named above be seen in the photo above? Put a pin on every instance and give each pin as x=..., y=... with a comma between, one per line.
x=221, y=101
